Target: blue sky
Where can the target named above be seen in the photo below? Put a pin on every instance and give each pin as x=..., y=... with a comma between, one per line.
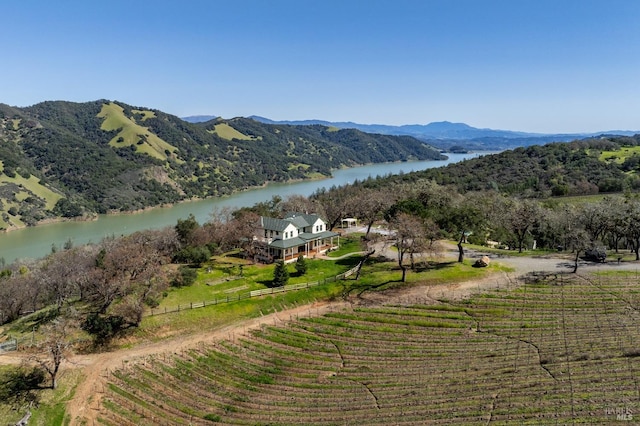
x=529, y=65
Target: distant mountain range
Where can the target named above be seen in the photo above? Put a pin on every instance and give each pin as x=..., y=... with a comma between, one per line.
x=444, y=134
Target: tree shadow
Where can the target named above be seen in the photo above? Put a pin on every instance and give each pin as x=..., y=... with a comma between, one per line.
x=432, y=266
x=19, y=386
x=267, y=283
x=361, y=288
x=349, y=261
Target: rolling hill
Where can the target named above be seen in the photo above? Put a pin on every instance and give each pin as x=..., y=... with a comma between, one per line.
x=72, y=159
x=582, y=167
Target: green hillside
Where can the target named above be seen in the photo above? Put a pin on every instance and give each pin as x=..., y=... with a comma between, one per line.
x=585, y=167
x=72, y=159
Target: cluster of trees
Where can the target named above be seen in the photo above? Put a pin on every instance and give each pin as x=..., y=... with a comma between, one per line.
x=422, y=211
x=114, y=279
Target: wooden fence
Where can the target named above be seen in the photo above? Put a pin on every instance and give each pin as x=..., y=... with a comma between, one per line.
x=248, y=294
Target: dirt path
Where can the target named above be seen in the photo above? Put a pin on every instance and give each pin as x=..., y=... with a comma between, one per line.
x=85, y=405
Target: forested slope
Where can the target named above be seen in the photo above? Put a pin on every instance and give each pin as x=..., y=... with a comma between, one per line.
x=72, y=159
x=588, y=166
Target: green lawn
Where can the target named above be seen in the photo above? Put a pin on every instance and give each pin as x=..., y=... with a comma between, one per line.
x=215, y=316
x=348, y=244
x=222, y=279
x=375, y=276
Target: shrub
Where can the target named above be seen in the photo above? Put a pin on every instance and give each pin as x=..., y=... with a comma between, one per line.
x=192, y=255
x=185, y=277
x=103, y=328
x=212, y=417
x=280, y=274
x=301, y=265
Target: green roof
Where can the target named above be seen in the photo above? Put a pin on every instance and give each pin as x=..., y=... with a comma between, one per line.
x=308, y=236
x=285, y=244
x=274, y=224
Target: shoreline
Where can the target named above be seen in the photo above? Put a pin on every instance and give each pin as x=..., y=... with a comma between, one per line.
x=96, y=216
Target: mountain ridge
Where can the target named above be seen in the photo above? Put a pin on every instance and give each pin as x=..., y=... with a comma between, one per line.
x=446, y=129
x=448, y=135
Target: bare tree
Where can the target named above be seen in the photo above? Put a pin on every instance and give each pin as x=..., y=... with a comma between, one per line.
x=616, y=227
x=55, y=275
x=334, y=203
x=520, y=217
x=595, y=219
x=409, y=238
x=460, y=220
x=12, y=297
x=128, y=265
x=54, y=348
x=565, y=223
x=298, y=203
x=369, y=204
x=578, y=240
x=242, y=230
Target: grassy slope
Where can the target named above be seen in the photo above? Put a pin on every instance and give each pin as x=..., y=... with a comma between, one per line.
x=227, y=132
x=29, y=187
x=131, y=133
x=33, y=184
x=378, y=277
x=620, y=155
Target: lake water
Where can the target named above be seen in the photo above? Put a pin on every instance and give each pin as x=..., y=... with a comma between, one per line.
x=36, y=242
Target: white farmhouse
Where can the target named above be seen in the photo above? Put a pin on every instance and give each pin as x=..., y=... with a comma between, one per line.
x=296, y=234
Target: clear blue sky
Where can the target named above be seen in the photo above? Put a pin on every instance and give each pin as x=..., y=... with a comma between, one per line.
x=530, y=65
